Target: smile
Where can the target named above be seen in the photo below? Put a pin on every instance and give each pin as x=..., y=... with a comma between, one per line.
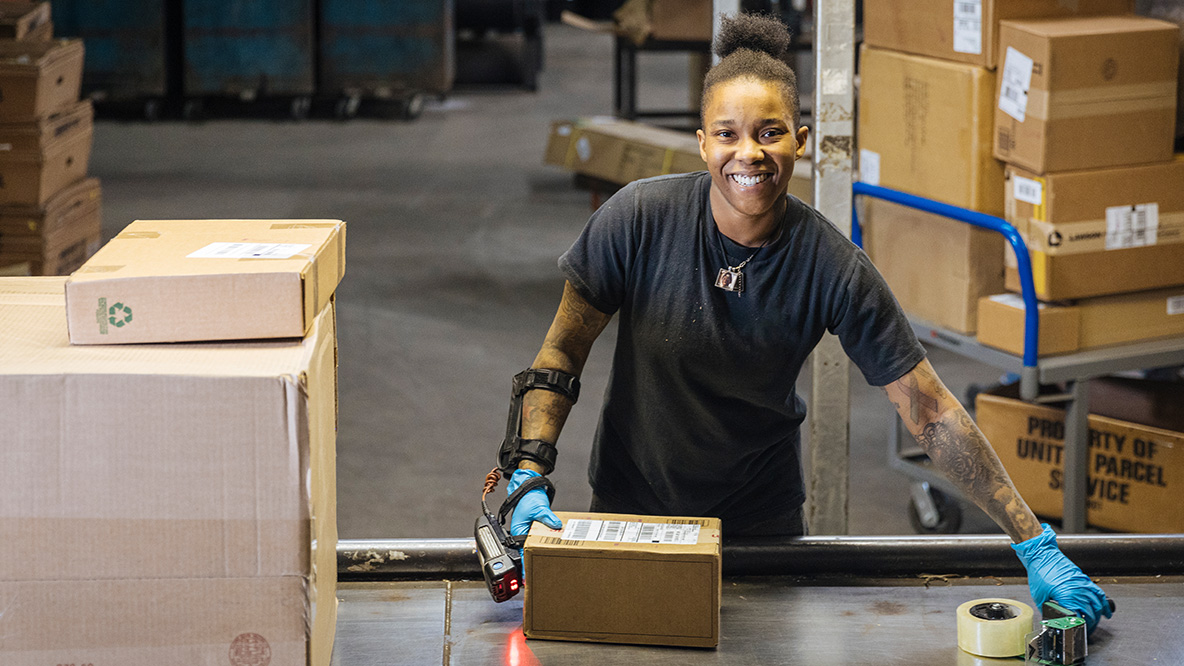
x=749, y=181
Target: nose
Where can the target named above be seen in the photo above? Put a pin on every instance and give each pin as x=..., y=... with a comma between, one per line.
x=750, y=150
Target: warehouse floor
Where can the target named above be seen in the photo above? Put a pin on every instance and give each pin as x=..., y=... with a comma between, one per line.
x=454, y=228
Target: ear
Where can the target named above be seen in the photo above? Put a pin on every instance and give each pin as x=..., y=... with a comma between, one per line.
x=802, y=137
x=703, y=143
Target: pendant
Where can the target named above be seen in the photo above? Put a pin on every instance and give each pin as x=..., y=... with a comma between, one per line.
x=730, y=279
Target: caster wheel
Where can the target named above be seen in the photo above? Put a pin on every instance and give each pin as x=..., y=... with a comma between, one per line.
x=300, y=108
x=412, y=106
x=346, y=107
x=944, y=516
x=192, y=110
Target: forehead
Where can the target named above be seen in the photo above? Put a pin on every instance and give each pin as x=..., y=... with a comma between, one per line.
x=747, y=99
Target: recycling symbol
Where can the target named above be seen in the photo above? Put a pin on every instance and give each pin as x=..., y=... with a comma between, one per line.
x=120, y=315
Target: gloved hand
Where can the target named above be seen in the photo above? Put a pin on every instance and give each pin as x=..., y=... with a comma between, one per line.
x=534, y=505
x=1051, y=575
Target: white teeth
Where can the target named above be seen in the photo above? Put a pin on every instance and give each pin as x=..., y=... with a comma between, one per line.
x=749, y=181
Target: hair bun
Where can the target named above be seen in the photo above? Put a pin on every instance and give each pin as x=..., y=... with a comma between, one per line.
x=757, y=32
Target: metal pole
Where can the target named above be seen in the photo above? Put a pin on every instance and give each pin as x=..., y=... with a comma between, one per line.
x=720, y=8
x=828, y=451
x=1076, y=458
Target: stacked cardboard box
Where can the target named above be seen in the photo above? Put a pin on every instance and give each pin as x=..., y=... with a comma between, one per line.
x=189, y=489
x=50, y=213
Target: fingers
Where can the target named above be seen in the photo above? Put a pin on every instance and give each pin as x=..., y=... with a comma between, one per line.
x=549, y=519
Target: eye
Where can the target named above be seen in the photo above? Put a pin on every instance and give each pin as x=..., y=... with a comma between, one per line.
x=725, y=134
x=772, y=133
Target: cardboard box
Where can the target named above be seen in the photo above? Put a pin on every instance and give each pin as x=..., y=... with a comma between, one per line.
x=621, y=151
x=1086, y=324
x=55, y=239
x=189, y=491
x=1098, y=232
x=188, y=280
x=1063, y=80
x=964, y=31
x=937, y=268
x=615, y=584
x=39, y=159
x=38, y=78
x=925, y=128
x=23, y=20
x=681, y=20
x=1135, y=469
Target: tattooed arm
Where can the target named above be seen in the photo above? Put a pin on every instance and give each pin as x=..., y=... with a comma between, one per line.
x=576, y=326
x=956, y=446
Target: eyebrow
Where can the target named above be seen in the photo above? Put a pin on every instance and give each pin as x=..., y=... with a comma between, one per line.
x=766, y=121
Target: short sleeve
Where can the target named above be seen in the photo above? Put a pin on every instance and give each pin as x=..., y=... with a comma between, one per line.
x=599, y=262
x=871, y=326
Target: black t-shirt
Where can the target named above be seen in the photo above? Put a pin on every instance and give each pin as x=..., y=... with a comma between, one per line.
x=700, y=415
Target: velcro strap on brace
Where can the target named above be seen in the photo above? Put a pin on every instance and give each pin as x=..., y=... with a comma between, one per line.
x=514, y=448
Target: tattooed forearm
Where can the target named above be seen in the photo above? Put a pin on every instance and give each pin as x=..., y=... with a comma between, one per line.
x=956, y=446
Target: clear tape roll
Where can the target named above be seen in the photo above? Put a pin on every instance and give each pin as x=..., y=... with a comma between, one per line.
x=996, y=628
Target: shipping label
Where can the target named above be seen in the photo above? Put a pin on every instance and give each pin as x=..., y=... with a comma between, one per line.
x=1176, y=305
x=1027, y=190
x=968, y=26
x=249, y=251
x=1131, y=226
x=869, y=166
x=1123, y=227
x=621, y=531
x=1017, y=78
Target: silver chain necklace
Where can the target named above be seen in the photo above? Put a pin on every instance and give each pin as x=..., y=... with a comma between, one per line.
x=731, y=278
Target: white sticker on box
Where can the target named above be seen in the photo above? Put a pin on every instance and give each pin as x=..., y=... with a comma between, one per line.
x=1017, y=78
x=249, y=251
x=620, y=531
x=1013, y=301
x=1027, y=190
x=584, y=148
x=968, y=26
x=869, y=167
x=1176, y=305
x=1132, y=226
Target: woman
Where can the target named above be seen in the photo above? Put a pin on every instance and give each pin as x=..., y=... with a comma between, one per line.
x=724, y=285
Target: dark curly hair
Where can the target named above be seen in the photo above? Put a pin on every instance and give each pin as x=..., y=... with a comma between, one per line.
x=752, y=46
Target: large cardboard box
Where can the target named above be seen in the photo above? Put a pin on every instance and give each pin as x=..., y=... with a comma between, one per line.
x=39, y=159
x=187, y=490
x=57, y=238
x=23, y=20
x=1098, y=232
x=1136, y=452
x=1085, y=324
x=937, y=268
x=925, y=128
x=618, y=578
x=1062, y=81
x=186, y=280
x=621, y=151
x=38, y=77
x=963, y=30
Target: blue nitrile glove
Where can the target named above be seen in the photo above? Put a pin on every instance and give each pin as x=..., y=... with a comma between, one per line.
x=1053, y=576
x=533, y=506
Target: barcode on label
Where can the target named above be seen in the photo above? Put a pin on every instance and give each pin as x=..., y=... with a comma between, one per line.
x=1016, y=79
x=249, y=251
x=1028, y=190
x=1132, y=226
x=618, y=531
x=1176, y=305
x=968, y=26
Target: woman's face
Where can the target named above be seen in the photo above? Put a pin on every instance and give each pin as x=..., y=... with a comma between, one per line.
x=749, y=143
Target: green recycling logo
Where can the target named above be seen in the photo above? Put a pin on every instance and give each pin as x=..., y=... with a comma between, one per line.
x=119, y=315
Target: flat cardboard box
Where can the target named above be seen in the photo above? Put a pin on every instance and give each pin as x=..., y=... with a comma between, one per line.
x=937, y=268
x=193, y=280
x=190, y=490
x=926, y=124
x=1085, y=324
x=1062, y=81
x=625, y=588
x=22, y=20
x=965, y=31
x=1135, y=469
x=1101, y=231
x=621, y=151
x=39, y=159
x=38, y=77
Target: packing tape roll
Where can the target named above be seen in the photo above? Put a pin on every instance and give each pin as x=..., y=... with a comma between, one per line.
x=994, y=627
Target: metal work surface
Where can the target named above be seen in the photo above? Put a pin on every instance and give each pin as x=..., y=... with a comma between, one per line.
x=763, y=621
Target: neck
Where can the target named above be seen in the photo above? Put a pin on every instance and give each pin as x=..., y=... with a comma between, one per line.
x=749, y=231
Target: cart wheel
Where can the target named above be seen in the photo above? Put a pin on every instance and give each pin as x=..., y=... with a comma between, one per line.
x=152, y=110
x=347, y=107
x=412, y=106
x=192, y=109
x=942, y=516
x=300, y=107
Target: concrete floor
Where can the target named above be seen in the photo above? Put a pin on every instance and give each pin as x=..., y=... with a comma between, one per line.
x=454, y=228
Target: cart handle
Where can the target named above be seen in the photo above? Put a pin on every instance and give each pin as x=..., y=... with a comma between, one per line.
x=984, y=221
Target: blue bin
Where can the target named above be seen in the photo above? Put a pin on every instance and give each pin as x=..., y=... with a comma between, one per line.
x=385, y=49
x=248, y=48
x=125, y=45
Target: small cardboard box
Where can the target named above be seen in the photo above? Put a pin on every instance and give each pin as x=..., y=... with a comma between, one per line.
x=925, y=128
x=1062, y=80
x=937, y=268
x=38, y=77
x=1085, y=324
x=618, y=578
x=190, y=280
x=58, y=238
x=681, y=20
x=189, y=491
x=1136, y=467
x=966, y=30
x=39, y=159
x=23, y=20
x=1100, y=231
